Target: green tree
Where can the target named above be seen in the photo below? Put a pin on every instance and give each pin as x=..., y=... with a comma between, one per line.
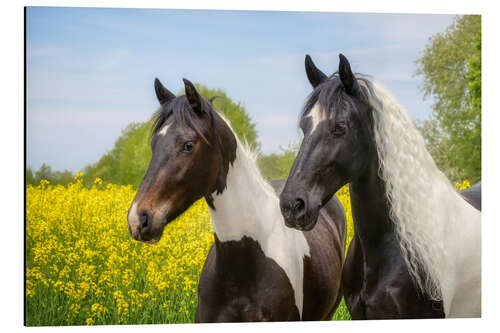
x=451, y=71
x=45, y=172
x=277, y=166
x=474, y=74
x=62, y=177
x=30, y=177
x=241, y=122
x=127, y=162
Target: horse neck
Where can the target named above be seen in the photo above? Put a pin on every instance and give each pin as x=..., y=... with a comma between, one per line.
x=248, y=206
x=247, y=223
x=370, y=208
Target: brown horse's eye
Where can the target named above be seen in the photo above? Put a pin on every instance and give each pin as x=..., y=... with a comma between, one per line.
x=339, y=130
x=188, y=146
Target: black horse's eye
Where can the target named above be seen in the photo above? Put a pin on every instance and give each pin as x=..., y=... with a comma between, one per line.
x=188, y=146
x=339, y=129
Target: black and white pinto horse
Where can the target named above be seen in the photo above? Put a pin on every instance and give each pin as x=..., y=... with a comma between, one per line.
x=257, y=269
x=416, y=252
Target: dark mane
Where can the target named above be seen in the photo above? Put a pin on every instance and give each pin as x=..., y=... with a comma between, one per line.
x=331, y=95
x=328, y=94
x=181, y=111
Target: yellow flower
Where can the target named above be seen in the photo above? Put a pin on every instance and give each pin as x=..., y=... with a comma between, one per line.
x=80, y=255
x=462, y=186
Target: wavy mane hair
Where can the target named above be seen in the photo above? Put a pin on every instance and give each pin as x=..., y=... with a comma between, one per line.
x=417, y=190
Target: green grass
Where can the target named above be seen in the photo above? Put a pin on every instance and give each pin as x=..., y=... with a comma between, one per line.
x=342, y=313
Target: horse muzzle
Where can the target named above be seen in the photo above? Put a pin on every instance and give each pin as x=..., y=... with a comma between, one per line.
x=142, y=226
x=297, y=213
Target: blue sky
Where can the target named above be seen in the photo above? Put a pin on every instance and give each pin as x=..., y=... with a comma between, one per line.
x=90, y=71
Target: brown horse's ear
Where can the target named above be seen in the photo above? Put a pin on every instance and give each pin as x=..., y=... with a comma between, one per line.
x=162, y=93
x=346, y=76
x=315, y=76
x=192, y=96
x=213, y=98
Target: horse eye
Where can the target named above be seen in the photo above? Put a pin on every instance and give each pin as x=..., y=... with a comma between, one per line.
x=188, y=146
x=339, y=130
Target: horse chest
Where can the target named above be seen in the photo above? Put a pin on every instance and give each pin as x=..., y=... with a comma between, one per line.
x=234, y=300
x=241, y=284
x=381, y=288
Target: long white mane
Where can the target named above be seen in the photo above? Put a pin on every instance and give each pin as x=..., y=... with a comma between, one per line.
x=423, y=202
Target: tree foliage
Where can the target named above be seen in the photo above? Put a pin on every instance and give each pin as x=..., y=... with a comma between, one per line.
x=127, y=162
x=277, y=166
x=451, y=71
x=474, y=74
x=45, y=172
x=241, y=122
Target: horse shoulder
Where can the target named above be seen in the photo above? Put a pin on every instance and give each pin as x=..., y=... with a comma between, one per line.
x=322, y=269
x=207, y=308
x=352, y=280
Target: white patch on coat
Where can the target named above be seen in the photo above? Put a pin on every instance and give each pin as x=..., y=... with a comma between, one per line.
x=250, y=207
x=317, y=115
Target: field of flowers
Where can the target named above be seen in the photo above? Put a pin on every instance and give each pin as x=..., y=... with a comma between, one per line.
x=83, y=268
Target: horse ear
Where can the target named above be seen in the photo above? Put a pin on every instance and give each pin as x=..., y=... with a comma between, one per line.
x=314, y=75
x=192, y=96
x=162, y=93
x=346, y=76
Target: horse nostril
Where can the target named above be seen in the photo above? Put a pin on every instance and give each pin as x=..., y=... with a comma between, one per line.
x=144, y=219
x=298, y=206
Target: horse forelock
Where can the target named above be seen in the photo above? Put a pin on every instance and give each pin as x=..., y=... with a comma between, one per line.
x=213, y=129
x=330, y=99
x=182, y=114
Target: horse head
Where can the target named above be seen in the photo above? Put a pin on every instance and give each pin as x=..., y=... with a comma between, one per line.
x=337, y=145
x=192, y=147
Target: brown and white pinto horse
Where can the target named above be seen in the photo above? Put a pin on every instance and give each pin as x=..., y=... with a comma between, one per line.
x=257, y=269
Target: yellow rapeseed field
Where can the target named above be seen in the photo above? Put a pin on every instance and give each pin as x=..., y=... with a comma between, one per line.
x=83, y=268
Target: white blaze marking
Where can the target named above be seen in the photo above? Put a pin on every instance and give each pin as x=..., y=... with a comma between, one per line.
x=133, y=218
x=163, y=131
x=317, y=114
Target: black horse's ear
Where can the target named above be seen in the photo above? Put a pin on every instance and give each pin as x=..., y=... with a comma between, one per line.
x=346, y=76
x=314, y=75
x=192, y=96
x=163, y=94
